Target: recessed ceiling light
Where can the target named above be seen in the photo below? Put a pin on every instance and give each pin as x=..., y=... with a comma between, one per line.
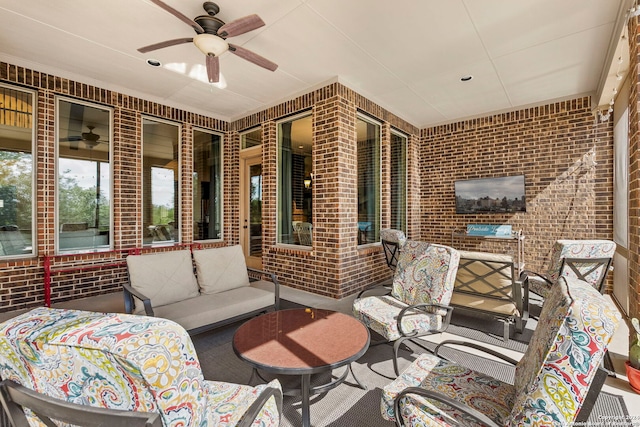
x=466, y=78
x=154, y=62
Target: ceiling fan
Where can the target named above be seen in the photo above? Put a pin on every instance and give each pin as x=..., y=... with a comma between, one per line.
x=90, y=139
x=211, y=38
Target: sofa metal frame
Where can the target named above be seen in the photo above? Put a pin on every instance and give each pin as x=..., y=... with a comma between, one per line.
x=517, y=293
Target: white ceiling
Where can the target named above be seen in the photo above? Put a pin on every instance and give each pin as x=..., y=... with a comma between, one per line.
x=408, y=56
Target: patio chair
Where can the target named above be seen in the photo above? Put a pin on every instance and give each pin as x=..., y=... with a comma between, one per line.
x=16, y=398
x=126, y=362
x=552, y=379
x=392, y=241
x=303, y=230
x=417, y=304
x=589, y=260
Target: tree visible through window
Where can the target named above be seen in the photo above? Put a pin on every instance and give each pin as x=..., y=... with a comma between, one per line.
x=160, y=185
x=84, y=177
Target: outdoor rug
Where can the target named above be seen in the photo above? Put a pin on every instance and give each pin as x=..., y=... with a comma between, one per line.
x=348, y=405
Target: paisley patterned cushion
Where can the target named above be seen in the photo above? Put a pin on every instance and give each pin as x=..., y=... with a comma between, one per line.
x=554, y=374
x=552, y=378
x=481, y=392
x=380, y=315
x=391, y=235
x=573, y=249
x=120, y=361
x=578, y=249
x=425, y=273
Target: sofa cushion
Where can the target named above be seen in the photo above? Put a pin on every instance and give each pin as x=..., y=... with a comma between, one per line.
x=220, y=269
x=213, y=308
x=164, y=277
x=488, y=304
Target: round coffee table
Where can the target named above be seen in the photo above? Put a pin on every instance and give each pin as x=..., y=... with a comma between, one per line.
x=302, y=342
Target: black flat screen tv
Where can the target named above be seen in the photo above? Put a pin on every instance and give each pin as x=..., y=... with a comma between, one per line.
x=491, y=195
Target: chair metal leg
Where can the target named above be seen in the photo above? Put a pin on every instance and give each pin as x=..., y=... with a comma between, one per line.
x=396, y=347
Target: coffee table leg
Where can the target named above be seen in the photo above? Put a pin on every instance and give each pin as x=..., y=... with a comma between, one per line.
x=362, y=386
x=306, y=384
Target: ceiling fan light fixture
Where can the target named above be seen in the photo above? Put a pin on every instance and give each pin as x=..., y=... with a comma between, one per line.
x=210, y=44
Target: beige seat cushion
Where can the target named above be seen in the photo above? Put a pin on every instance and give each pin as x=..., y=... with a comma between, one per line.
x=492, y=305
x=164, y=278
x=212, y=308
x=220, y=269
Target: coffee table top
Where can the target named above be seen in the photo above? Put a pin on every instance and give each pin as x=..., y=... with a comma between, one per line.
x=301, y=341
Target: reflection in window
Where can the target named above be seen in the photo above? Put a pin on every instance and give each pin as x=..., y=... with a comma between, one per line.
x=16, y=172
x=295, y=182
x=160, y=148
x=255, y=210
x=368, y=134
x=207, y=186
x=84, y=177
x=398, y=181
x=251, y=139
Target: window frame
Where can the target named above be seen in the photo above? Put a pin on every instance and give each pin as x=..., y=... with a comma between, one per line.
x=34, y=165
x=248, y=131
x=110, y=110
x=222, y=181
x=178, y=203
x=360, y=115
x=405, y=151
x=290, y=119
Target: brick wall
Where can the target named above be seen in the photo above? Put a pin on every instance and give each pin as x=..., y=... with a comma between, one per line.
x=22, y=286
x=634, y=169
x=548, y=144
x=567, y=197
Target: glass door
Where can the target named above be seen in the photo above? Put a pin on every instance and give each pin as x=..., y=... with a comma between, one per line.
x=251, y=211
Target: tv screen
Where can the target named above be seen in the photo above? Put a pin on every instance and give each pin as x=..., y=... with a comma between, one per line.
x=491, y=195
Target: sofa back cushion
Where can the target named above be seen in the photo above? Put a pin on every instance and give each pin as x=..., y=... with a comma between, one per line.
x=164, y=277
x=220, y=269
x=485, y=273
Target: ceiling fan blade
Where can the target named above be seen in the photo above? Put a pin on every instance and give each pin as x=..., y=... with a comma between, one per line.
x=164, y=44
x=240, y=26
x=252, y=57
x=213, y=69
x=179, y=15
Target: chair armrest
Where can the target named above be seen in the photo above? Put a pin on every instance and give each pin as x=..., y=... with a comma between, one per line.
x=421, y=307
x=524, y=276
x=475, y=346
x=378, y=286
x=252, y=412
x=434, y=395
x=129, y=294
x=256, y=274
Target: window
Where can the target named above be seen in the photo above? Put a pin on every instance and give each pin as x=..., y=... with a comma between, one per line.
x=17, y=119
x=295, y=182
x=84, y=177
x=368, y=135
x=207, y=185
x=160, y=186
x=253, y=138
x=398, y=181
